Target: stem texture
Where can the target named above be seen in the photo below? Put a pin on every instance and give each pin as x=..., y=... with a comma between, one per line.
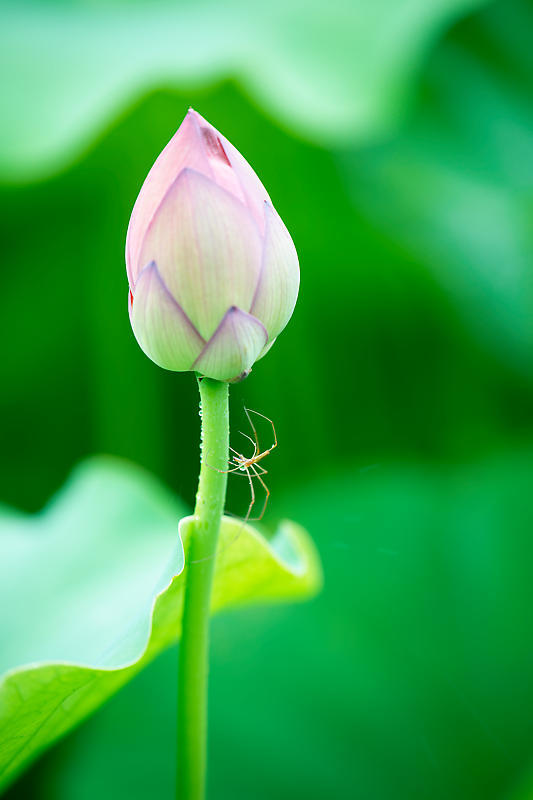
x=200, y=564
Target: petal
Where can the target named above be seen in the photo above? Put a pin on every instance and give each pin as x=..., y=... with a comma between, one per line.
x=195, y=145
x=207, y=249
x=160, y=326
x=233, y=348
x=279, y=281
x=214, y=147
x=265, y=349
x=182, y=151
x=222, y=154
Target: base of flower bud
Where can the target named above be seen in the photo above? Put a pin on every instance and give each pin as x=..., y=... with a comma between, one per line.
x=240, y=377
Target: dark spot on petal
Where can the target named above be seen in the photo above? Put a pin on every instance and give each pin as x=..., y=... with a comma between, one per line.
x=241, y=377
x=214, y=146
x=131, y=298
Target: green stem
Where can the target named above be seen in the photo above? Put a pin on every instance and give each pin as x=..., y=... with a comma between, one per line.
x=194, y=646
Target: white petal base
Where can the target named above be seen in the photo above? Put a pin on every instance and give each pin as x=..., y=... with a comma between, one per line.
x=161, y=327
x=234, y=346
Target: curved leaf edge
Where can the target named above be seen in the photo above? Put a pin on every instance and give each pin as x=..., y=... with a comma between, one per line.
x=300, y=578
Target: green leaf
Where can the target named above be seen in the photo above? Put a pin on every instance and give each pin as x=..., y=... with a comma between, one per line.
x=345, y=71
x=94, y=585
x=408, y=678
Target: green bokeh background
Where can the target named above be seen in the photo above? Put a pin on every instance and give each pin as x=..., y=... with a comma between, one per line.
x=396, y=142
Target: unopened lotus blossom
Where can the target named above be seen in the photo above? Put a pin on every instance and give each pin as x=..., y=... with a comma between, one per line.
x=212, y=269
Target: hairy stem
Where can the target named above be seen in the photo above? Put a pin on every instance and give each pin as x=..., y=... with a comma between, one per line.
x=200, y=563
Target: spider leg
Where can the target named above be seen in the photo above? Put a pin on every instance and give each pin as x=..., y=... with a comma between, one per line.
x=252, y=441
x=250, y=410
x=261, y=470
x=267, y=491
x=254, y=430
x=224, y=471
x=240, y=473
x=236, y=462
x=252, y=501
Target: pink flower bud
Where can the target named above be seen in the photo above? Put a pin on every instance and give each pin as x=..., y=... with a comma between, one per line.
x=212, y=269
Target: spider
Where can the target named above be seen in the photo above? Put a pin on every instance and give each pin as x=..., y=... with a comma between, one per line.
x=241, y=464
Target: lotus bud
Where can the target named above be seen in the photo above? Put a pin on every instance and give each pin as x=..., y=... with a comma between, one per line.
x=212, y=270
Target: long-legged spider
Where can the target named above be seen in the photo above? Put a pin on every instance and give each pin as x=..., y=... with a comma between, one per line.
x=248, y=467
x=241, y=464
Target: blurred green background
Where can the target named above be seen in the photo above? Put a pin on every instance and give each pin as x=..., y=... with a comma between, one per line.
x=395, y=140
